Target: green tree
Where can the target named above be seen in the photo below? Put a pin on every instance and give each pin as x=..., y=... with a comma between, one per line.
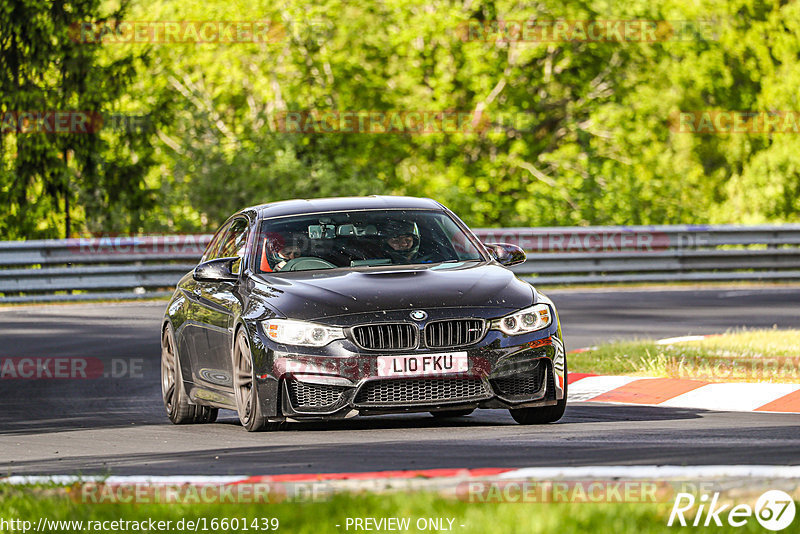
x=597, y=146
x=45, y=67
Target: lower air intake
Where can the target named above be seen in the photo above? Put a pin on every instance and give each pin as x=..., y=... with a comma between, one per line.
x=304, y=395
x=384, y=392
x=527, y=384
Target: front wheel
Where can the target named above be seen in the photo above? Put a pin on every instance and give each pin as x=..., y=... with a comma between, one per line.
x=545, y=414
x=248, y=404
x=176, y=402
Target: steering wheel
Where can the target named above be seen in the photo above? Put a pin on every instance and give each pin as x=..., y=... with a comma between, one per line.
x=307, y=263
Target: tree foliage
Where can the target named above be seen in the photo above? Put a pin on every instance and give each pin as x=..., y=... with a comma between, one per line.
x=599, y=146
x=45, y=70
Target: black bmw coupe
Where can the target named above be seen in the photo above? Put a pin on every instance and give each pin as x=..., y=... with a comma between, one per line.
x=330, y=308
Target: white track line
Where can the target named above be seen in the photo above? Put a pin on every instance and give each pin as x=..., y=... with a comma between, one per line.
x=680, y=339
x=592, y=386
x=655, y=472
x=736, y=397
x=123, y=479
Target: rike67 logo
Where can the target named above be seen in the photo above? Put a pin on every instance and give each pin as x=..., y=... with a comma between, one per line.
x=774, y=510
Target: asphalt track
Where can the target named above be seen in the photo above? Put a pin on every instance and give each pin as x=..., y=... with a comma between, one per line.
x=117, y=425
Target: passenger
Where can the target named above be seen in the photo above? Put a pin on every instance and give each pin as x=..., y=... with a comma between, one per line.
x=277, y=251
x=288, y=252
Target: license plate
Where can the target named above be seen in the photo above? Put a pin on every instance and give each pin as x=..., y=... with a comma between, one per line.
x=423, y=364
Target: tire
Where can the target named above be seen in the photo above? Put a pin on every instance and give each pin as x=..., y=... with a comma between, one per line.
x=176, y=402
x=248, y=404
x=545, y=414
x=452, y=413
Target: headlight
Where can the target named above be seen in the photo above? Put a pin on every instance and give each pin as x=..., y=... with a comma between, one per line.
x=301, y=333
x=528, y=320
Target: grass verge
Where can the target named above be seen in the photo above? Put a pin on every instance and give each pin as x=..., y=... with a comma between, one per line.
x=31, y=504
x=770, y=355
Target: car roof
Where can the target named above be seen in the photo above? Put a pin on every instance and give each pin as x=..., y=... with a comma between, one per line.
x=317, y=205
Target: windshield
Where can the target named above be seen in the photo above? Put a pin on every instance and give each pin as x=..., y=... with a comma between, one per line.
x=360, y=239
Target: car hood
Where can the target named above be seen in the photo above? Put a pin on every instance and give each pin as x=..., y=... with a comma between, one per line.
x=321, y=294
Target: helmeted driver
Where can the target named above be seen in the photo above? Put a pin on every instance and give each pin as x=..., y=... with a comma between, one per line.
x=401, y=241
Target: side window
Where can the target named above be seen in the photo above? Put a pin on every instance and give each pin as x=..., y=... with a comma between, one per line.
x=234, y=243
x=213, y=245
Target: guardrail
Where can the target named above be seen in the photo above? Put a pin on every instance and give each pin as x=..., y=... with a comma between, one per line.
x=96, y=268
x=675, y=253
x=149, y=266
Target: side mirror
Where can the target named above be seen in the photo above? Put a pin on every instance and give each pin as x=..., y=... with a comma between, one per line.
x=506, y=254
x=219, y=270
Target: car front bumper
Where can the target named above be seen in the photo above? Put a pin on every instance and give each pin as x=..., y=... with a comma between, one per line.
x=343, y=380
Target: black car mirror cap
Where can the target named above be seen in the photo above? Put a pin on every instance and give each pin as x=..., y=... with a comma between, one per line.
x=218, y=270
x=506, y=254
